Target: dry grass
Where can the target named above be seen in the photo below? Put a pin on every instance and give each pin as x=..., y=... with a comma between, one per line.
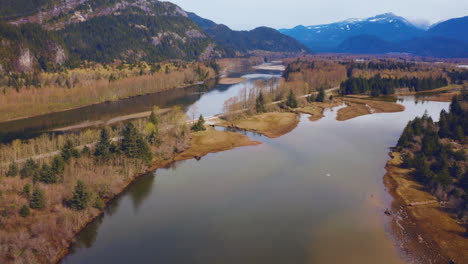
x=316, y=109
x=366, y=106
x=431, y=220
x=91, y=90
x=45, y=236
x=212, y=141
x=231, y=80
x=272, y=125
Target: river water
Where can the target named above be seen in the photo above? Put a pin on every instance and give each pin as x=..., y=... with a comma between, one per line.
x=208, y=99
x=314, y=195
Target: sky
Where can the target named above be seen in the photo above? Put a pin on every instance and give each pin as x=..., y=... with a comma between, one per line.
x=249, y=14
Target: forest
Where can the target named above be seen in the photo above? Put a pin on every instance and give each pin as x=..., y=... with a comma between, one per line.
x=436, y=151
x=377, y=85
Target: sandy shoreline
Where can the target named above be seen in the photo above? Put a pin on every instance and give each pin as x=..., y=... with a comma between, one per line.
x=425, y=232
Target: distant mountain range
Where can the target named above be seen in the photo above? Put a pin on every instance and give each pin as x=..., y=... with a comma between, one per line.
x=261, y=38
x=46, y=34
x=386, y=33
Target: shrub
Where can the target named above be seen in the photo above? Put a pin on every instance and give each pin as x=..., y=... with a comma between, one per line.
x=24, y=211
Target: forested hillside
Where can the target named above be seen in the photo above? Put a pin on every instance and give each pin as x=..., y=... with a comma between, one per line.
x=261, y=38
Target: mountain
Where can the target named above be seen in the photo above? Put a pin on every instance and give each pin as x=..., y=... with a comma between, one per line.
x=261, y=38
x=456, y=29
x=427, y=46
x=387, y=33
x=57, y=32
x=325, y=38
x=48, y=34
x=366, y=44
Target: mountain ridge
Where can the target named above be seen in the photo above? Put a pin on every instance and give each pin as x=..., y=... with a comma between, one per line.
x=391, y=33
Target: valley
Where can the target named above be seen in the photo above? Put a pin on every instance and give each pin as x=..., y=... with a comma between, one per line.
x=135, y=131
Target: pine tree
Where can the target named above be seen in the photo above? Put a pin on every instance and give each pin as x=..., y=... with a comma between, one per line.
x=321, y=95
x=38, y=199
x=200, y=125
x=69, y=151
x=81, y=197
x=47, y=175
x=103, y=147
x=129, y=143
x=12, y=170
x=260, y=103
x=25, y=212
x=26, y=192
x=134, y=145
x=30, y=169
x=291, y=101
x=58, y=165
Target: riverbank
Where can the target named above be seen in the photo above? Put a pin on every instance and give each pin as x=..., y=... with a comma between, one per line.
x=435, y=235
x=366, y=106
x=272, y=124
x=94, y=86
x=228, y=81
x=213, y=141
x=316, y=109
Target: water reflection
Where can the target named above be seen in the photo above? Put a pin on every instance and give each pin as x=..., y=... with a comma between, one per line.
x=272, y=203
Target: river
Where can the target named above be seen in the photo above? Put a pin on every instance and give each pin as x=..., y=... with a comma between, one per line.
x=314, y=195
x=208, y=97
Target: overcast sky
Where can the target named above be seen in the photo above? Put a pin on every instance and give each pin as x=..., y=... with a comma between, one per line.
x=248, y=14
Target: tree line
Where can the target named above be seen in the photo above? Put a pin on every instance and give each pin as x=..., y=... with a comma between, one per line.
x=435, y=162
x=377, y=85
x=133, y=144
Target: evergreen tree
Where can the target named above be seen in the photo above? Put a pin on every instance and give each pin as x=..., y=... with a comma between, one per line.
x=24, y=211
x=12, y=170
x=200, y=125
x=134, y=145
x=58, y=165
x=30, y=169
x=291, y=101
x=260, y=103
x=321, y=95
x=69, y=151
x=38, y=199
x=103, y=147
x=47, y=175
x=129, y=143
x=26, y=192
x=81, y=197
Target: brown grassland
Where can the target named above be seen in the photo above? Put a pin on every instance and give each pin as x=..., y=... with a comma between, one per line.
x=95, y=85
x=272, y=124
x=366, y=106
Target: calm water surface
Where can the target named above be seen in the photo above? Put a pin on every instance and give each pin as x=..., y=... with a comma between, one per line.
x=314, y=195
x=208, y=99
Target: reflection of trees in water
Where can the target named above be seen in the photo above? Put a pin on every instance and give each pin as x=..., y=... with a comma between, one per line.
x=140, y=190
x=31, y=127
x=88, y=236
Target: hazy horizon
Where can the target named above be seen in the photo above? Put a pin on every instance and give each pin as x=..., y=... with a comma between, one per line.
x=280, y=14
